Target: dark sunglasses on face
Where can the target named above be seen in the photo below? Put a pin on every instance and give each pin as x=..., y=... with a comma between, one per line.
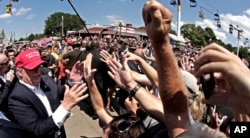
x=5, y=63
x=125, y=125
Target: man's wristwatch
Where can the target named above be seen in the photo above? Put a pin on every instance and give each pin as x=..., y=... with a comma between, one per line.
x=135, y=89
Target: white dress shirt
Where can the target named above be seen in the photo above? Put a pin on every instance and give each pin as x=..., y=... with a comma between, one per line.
x=2, y=116
x=60, y=115
x=3, y=77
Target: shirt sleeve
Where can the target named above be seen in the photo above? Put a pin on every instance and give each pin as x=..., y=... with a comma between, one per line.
x=60, y=116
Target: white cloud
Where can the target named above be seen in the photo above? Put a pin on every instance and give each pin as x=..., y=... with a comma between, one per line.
x=240, y=22
x=31, y=16
x=23, y=11
x=114, y=19
x=211, y=24
x=2, y=16
x=247, y=12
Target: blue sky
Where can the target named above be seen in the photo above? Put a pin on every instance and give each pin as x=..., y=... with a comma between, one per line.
x=29, y=15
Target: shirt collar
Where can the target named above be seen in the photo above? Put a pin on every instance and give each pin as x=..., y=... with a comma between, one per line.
x=33, y=88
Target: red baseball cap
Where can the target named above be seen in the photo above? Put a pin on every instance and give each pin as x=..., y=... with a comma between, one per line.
x=28, y=59
x=69, y=41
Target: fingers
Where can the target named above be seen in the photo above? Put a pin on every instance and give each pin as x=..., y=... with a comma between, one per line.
x=114, y=66
x=210, y=56
x=125, y=64
x=116, y=63
x=111, y=75
x=104, y=54
x=215, y=47
x=211, y=67
x=145, y=13
x=155, y=12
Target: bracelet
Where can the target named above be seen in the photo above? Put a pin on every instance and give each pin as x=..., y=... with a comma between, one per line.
x=135, y=89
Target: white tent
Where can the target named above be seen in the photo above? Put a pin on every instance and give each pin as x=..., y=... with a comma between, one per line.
x=176, y=38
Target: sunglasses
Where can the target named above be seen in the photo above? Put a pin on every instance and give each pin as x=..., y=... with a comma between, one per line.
x=5, y=63
x=125, y=125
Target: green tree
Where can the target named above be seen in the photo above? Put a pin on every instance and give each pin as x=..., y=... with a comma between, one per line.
x=31, y=37
x=173, y=32
x=194, y=34
x=53, y=24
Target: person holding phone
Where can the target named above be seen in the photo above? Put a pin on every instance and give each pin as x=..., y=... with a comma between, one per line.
x=173, y=92
x=231, y=78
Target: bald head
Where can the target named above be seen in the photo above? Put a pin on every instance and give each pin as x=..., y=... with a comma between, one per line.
x=3, y=58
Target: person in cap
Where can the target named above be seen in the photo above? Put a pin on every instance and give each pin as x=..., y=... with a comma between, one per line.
x=37, y=103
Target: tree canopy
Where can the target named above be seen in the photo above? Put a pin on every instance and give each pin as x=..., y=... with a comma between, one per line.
x=53, y=24
x=200, y=37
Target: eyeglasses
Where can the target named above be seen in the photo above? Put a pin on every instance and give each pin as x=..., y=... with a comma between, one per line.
x=5, y=63
x=125, y=125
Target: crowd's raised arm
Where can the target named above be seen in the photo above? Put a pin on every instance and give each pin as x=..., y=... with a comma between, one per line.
x=157, y=87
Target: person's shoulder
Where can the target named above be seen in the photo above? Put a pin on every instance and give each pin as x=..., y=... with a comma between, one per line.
x=16, y=90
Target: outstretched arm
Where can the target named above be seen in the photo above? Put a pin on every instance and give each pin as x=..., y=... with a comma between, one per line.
x=96, y=98
x=146, y=68
x=123, y=78
x=171, y=86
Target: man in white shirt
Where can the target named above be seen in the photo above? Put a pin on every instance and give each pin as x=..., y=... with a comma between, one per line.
x=38, y=105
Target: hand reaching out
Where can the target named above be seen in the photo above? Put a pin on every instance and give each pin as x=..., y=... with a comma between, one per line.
x=74, y=95
x=121, y=74
x=105, y=56
x=215, y=119
x=10, y=75
x=76, y=73
x=88, y=72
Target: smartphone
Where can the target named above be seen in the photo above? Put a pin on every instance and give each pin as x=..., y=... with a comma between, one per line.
x=207, y=85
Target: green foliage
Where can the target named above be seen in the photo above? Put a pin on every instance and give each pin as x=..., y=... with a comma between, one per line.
x=173, y=32
x=53, y=24
x=202, y=37
x=142, y=27
x=32, y=37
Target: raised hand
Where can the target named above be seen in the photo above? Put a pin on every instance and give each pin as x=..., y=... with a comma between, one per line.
x=76, y=73
x=215, y=119
x=105, y=56
x=121, y=73
x=157, y=20
x=88, y=72
x=74, y=95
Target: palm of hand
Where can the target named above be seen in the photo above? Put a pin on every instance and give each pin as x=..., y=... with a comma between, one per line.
x=76, y=73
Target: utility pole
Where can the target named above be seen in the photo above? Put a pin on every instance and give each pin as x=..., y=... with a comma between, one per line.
x=239, y=31
x=179, y=18
x=62, y=26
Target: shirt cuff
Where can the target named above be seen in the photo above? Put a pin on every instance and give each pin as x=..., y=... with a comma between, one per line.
x=60, y=116
x=72, y=83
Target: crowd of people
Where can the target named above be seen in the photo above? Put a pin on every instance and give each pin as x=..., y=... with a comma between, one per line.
x=157, y=87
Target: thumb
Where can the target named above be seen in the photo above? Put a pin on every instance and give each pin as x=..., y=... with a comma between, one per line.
x=66, y=88
x=67, y=72
x=93, y=72
x=125, y=64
